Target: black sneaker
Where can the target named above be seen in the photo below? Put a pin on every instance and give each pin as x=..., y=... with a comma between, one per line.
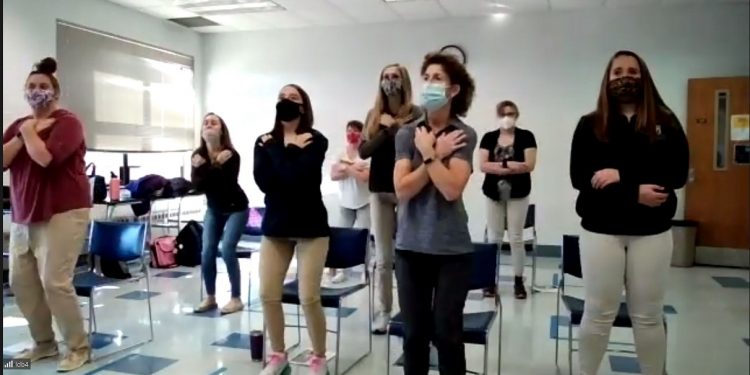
x=489, y=293
x=518, y=289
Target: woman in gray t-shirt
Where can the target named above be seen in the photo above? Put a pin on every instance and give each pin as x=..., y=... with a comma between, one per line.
x=433, y=245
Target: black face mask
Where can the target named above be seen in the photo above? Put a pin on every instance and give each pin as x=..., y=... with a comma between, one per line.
x=626, y=89
x=287, y=110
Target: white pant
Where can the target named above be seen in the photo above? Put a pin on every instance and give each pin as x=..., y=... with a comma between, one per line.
x=514, y=212
x=641, y=264
x=355, y=217
x=383, y=211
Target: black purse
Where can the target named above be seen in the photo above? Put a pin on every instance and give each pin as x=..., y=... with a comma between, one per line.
x=98, y=186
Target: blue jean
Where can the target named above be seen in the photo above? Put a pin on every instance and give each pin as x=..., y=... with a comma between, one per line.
x=226, y=228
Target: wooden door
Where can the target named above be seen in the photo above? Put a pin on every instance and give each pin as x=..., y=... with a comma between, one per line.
x=718, y=190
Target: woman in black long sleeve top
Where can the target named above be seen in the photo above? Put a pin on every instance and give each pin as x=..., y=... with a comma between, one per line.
x=627, y=159
x=393, y=108
x=216, y=166
x=288, y=169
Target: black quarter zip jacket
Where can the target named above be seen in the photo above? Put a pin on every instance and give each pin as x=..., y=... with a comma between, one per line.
x=615, y=209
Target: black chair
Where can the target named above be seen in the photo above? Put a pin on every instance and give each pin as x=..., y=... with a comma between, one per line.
x=571, y=265
x=477, y=325
x=347, y=248
x=529, y=242
x=119, y=242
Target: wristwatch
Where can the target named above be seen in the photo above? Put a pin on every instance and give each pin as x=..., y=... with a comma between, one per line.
x=428, y=161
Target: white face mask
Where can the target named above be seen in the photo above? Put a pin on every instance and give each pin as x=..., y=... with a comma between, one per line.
x=507, y=122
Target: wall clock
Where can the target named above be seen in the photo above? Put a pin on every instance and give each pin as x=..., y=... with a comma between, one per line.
x=456, y=51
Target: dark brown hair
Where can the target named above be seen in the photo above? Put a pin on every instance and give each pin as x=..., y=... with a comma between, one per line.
x=47, y=67
x=458, y=76
x=651, y=110
x=225, y=141
x=357, y=125
x=507, y=103
x=306, y=119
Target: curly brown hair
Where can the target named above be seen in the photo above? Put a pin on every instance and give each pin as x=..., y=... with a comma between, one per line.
x=458, y=75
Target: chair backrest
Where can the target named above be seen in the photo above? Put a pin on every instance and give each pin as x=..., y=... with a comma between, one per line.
x=347, y=247
x=484, y=268
x=571, y=256
x=117, y=240
x=530, y=217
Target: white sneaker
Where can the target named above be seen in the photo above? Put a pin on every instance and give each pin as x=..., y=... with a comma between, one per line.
x=380, y=324
x=278, y=364
x=339, y=278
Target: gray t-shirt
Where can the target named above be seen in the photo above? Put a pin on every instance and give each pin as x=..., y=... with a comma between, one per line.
x=428, y=223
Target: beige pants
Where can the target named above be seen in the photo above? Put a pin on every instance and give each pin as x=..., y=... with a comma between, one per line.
x=513, y=213
x=275, y=256
x=383, y=212
x=42, y=262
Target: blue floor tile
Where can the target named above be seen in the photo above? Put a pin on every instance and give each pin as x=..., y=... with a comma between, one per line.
x=732, y=282
x=556, y=321
x=235, y=341
x=220, y=371
x=100, y=340
x=136, y=364
x=747, y=341
x=627, y=365
x=138, y=295
x=172, y=274
x=669, y=309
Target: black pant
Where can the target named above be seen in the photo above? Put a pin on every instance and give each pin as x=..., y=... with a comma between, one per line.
x=432, y=293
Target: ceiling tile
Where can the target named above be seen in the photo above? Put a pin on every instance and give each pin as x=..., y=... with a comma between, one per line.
x=367, y=11
x=419, y=9
x=247, y=21
x=142, y=3
x=574, y=4
x=631, y=3
x=214, y=29
x=317, y=12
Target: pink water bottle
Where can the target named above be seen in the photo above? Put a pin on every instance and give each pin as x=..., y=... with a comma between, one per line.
x=114, y=188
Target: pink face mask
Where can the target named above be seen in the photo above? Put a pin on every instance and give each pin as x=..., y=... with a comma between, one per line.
x=353, y=137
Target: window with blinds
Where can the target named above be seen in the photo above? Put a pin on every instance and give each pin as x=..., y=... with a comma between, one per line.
x=131, y=97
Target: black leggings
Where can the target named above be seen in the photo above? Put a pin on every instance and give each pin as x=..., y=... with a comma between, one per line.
x=432, y=293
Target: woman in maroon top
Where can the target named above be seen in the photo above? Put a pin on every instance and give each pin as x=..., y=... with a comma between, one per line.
x=50, y=200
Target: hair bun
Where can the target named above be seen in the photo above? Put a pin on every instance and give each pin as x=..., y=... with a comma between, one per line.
x=48, y=65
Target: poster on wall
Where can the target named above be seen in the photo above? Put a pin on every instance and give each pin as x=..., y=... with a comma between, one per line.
x=740, y=125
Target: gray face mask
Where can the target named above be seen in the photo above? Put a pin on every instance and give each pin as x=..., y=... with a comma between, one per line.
x=391, y=87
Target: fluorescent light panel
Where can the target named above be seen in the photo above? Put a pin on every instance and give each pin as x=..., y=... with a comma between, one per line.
x=217, y=7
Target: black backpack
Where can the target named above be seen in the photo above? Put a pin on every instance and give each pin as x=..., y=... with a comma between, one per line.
x=189, y=244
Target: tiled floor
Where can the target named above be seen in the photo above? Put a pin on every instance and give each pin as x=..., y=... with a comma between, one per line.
x=707, y=311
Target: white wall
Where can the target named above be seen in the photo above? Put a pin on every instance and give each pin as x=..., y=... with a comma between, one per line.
x=29, y=34
x=549, y=63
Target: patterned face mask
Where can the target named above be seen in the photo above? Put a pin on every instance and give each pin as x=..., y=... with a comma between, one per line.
x=38, y=98
x=625, y=89
x=391, y=86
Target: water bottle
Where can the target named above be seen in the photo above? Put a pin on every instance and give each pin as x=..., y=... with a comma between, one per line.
x=114, y=188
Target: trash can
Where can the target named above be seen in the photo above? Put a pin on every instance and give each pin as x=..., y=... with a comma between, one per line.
x=683, y=233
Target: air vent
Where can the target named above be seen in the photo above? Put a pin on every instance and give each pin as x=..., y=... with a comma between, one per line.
x=194, y=22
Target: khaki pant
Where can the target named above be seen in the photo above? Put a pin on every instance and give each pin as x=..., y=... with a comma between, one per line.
x=275, y=256
x=42, y=262
x=383, y=212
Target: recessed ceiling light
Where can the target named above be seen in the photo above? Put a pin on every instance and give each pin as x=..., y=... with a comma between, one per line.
x=498, y=4
x=223, y=7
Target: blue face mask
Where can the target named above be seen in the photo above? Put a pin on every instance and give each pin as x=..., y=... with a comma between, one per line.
x=434, y=96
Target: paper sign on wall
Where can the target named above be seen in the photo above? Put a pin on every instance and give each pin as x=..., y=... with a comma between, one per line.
x=740, y=125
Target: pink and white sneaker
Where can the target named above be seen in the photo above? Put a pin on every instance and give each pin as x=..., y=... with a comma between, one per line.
x=277, y=365
x=318, y=365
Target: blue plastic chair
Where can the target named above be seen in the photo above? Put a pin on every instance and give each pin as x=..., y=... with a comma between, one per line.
x=347, y=249
x=571, y=265
x=477, y=325
x=121, y=242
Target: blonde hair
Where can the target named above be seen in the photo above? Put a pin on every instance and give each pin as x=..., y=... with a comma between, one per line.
x=404, y=112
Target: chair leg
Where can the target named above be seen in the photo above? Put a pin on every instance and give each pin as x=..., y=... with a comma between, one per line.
x=148, y=302
x=338, y=341
x=486, y=356
x=500, y=340
x=388, y=351
x=92, y=314
x=533, y=268
x=570, y=348
x=665, y=346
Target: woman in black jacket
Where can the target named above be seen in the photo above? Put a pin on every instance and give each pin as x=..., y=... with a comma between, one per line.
x=393, y=108
x=288, y=169
x=627, y=159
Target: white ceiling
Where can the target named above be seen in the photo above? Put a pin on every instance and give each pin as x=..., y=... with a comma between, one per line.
x=309, y=13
